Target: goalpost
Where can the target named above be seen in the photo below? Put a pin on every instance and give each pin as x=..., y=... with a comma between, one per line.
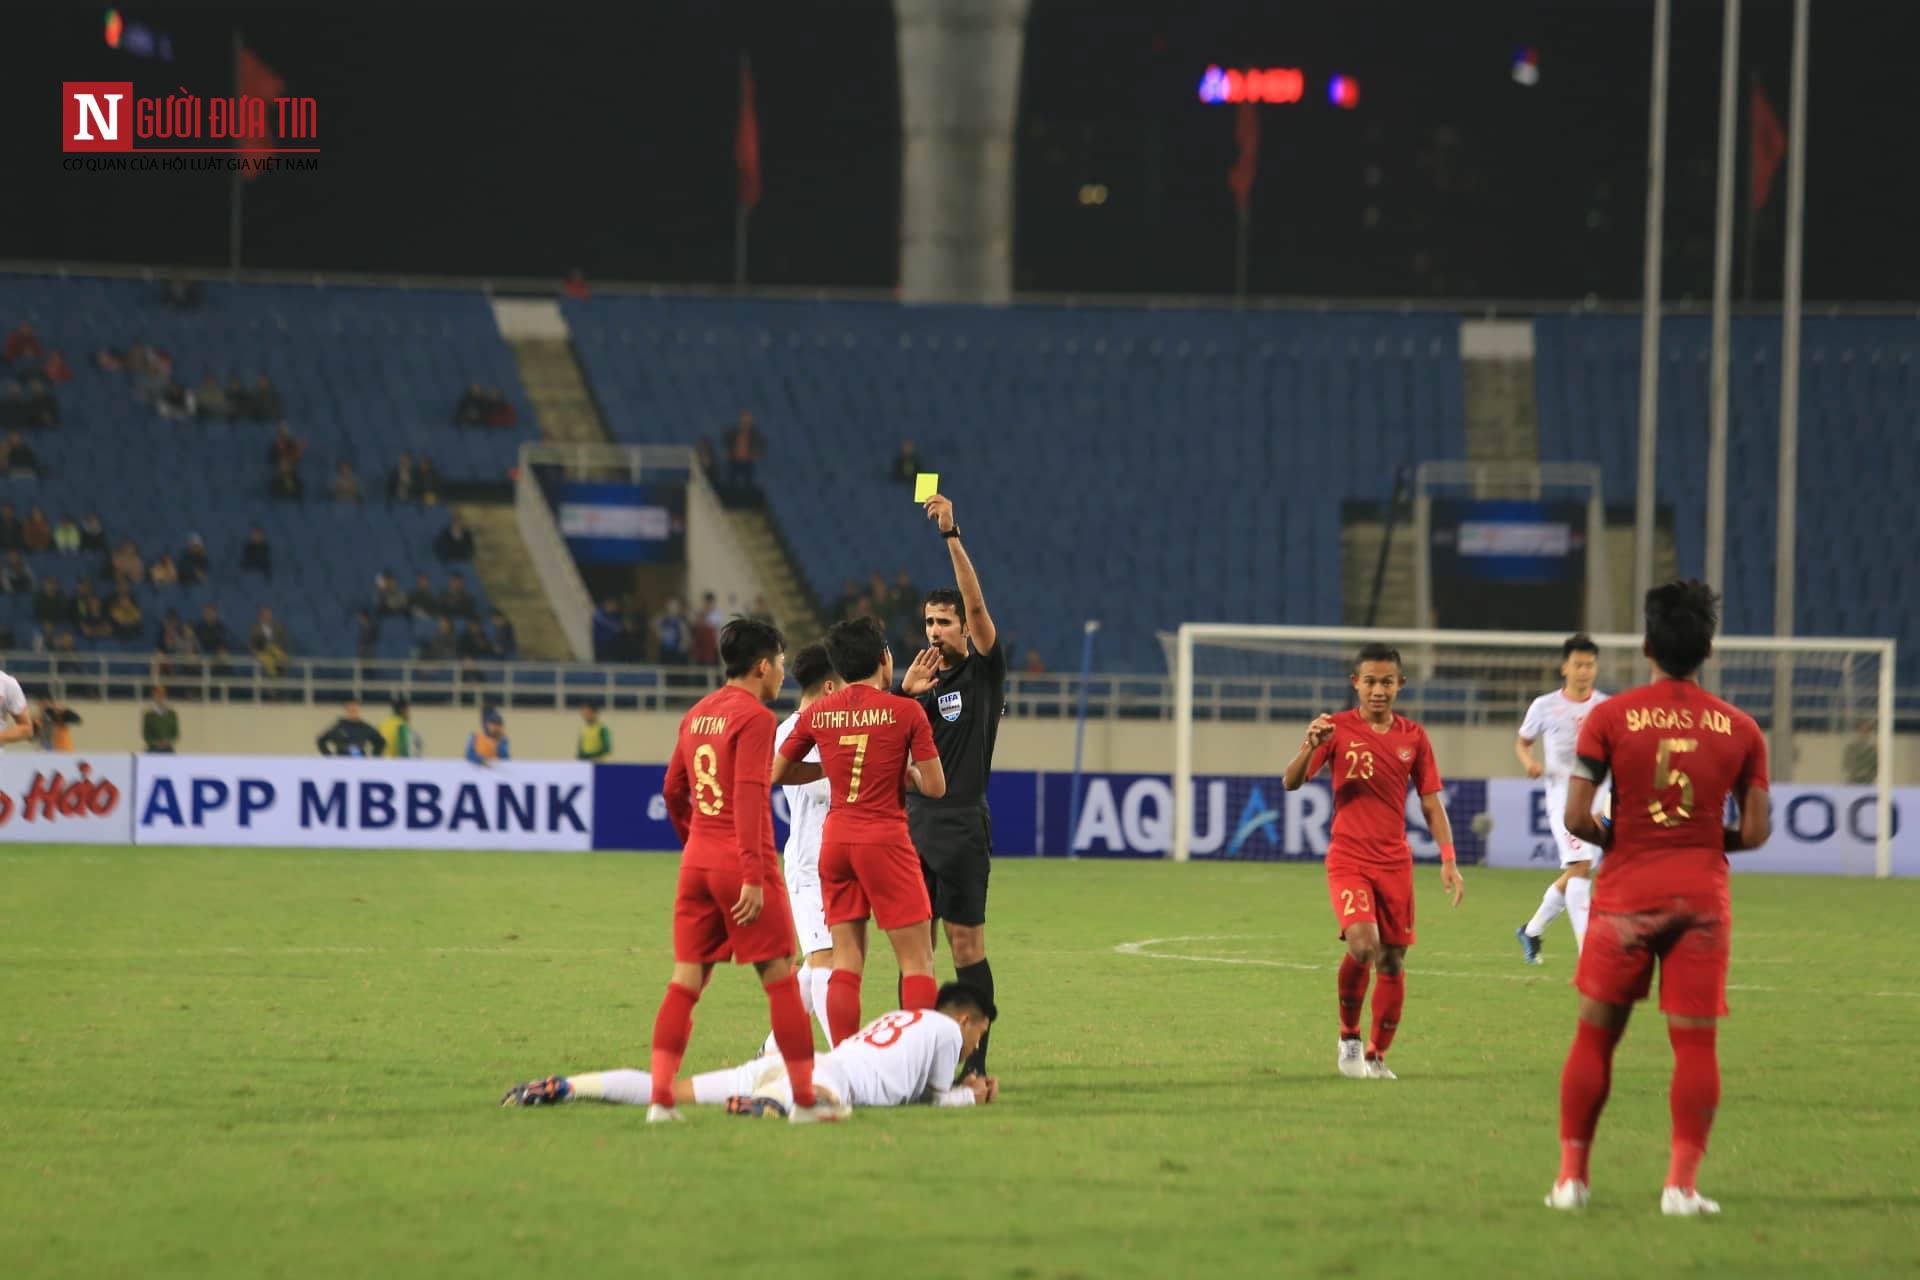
x=1243, y=695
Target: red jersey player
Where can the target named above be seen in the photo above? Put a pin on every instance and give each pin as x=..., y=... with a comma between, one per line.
x=1676, y=754
x=730, y=902
x=872, y=742
x=1375, y=756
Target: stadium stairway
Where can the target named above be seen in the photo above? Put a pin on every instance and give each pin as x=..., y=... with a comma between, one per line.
x=512, y=582
x=778, y=576
x=561, y=400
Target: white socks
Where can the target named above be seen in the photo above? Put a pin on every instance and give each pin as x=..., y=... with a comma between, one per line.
x=1552, y=903
x=1579, y=903
x=813, y=998
x=633, y=1088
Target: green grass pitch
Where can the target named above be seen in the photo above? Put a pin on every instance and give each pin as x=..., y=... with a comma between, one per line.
x=271, y=1063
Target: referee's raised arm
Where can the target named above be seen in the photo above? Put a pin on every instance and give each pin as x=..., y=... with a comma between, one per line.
x=979, y=621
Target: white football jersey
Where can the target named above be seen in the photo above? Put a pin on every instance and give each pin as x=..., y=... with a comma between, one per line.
x=898, y=1059
x=1553, y=723
x=806, y=814
x=13, y=699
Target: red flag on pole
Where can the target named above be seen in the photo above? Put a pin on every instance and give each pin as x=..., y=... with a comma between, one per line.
x=1246, y=132
x=254, y=78
x=1768, y=143
x=746, y=142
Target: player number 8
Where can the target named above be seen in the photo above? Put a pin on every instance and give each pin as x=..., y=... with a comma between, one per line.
x=706, y=778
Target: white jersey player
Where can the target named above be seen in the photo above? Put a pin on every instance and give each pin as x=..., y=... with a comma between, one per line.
x=13, y=705
x=1553, y=723
x=806, y=819
x=899, y=1059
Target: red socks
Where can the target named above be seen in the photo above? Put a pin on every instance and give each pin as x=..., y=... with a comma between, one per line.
x=918, y=992
x=1693, y=1098
x=793, y=1032
x=1584, y=1084
x=1353, y=994
x=1389, y=994
x=672, y=1028
x=843, y=1005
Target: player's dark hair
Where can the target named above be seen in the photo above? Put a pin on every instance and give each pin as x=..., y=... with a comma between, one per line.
x=811, y=665
x=1376, y=652
x=1578, y=642
x=856, y=647
x=949, y=597
x=959, y=997
x=1681, y=620
x=745, y=641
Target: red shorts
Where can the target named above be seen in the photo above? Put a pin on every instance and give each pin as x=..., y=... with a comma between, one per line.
x=883, y=880
x=703, y=927
x=1616, y=962
x=1374, y=895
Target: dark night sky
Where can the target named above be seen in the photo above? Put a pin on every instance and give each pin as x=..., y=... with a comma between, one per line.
x=464, y=140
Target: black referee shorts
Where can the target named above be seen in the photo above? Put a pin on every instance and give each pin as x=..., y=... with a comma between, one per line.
x=956, y=856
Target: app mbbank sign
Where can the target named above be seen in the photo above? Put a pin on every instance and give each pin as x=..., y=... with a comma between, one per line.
x=1131, y=815
x=365, y=804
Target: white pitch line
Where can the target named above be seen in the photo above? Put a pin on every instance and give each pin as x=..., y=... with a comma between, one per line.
x=1141, y=948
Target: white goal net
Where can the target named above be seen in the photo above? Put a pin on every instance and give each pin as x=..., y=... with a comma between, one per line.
x=1243, y=695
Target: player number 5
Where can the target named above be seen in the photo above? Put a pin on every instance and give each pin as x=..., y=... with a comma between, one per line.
x=858, y=741
x=706, y=780
x=1665, y=775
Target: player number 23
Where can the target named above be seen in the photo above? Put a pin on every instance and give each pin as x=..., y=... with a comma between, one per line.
x=1359, y=764
x=1665, y=775
x=706, y=780
x=889, y=1028
x=858, y=741
x=1354, y=900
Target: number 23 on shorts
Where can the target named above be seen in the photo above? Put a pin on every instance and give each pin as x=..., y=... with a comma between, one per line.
x=1353, y=900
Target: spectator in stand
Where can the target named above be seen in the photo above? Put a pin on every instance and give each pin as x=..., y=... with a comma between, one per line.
x=455, y=542
x=489, y=745
x=285, y=484
x=849, y=594
x=37, y=533
x=473, y=643
x=90, y=612
x=706, y=633
x=63, y=642
x=11, y=533
x=421, y=602
x=606, y=626
x=126, y=615
x=93, y=534
x=596, y=740
x=402, y=742
x=160, y=726
x=350, y=735
x=267, y=405
x=389, y=598
x=176, y=638
x=210, y=632
x=20, y=459
x=24, y=344
x=575, y=286
x=402, y=484
x=17, y=578
x=257, y=555
x=745, y=448
x=51, y=606
x=346, y=485
x=269, y=643
x=57, y=369
x=483, y=407
x=672, y=635
x=210, y=402
x=907, y=464
x=427, y=482
x=54, y=726
x=66, y=536
x=174, y=402
x=1034, y=667
x=195, y=564
x=703, y=454
x=239, y=400
x=181, y=294
x=759, y=611
x=366, y=634
x=286, y=447
x=505, y=642
x=442, y=645
x=904, y=604
x=127, y=566
x=164, y=572
x=631, y=644
x=455, y=602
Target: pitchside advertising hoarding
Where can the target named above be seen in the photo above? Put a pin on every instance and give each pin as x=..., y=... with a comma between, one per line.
x=528, y=805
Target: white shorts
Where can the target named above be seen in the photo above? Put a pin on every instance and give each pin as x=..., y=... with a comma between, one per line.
x=809, y=912
x=767, y=1078
x=1570, y=847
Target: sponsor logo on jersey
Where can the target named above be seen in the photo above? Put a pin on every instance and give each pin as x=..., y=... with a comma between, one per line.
x=950, y=706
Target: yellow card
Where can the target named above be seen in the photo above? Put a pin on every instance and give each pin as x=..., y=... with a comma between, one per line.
x=925, y=485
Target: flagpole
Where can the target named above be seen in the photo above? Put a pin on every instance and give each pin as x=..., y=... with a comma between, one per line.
x=1786, y=509
x=1242, y=230
x=740, y=212
x=233, y=184
x=1753, y=210
x=1644, y=491
x=1716, y=560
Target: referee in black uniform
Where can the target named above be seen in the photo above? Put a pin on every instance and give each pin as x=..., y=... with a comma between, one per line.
x=964, y=698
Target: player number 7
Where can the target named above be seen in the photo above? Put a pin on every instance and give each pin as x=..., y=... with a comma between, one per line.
x=858, y=741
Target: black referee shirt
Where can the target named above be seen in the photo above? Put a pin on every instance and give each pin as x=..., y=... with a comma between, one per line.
x=965, y=705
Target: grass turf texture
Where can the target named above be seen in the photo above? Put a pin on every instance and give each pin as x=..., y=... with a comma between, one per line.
x=259, y=1063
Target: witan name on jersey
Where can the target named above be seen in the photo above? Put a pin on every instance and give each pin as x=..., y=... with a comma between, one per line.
x=708, y=726
x=856, y=719
x=1639, y=718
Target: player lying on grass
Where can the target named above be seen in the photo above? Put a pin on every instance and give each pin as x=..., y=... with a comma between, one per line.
x=901, y=1058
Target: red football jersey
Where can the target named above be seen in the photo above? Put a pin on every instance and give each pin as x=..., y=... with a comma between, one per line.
x=866, y=736
x=1371, y=772
x=717, y=787
x=1676, y=753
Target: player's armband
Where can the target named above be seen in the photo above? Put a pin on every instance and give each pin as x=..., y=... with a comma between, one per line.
x=1594, y=771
